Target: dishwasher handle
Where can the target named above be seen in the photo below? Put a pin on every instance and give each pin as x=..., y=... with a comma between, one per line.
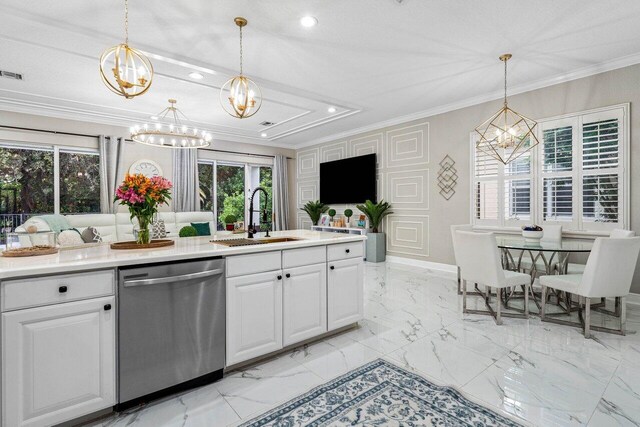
x=183, y=277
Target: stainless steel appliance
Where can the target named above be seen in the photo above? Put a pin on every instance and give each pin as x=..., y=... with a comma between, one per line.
x=171, y=328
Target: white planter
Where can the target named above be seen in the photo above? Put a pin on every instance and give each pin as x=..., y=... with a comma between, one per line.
x=532, y=236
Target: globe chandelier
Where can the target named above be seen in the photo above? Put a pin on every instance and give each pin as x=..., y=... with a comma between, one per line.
x=172, y=133
x=124, y=70
x=506, y=135
x=240, y=96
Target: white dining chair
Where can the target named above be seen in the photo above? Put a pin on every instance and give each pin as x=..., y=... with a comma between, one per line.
x=616, y=233
x=607, y=274
x=454, y=228
x=479, y=260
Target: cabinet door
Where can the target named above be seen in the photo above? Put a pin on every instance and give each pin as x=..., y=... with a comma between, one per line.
x=345, y=283
x=58, y=362
x=305, y=302
x=254, y=316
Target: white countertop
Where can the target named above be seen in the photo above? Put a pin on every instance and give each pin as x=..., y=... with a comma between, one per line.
x=102, y=256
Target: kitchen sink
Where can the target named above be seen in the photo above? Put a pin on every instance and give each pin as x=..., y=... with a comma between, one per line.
x=259, y=241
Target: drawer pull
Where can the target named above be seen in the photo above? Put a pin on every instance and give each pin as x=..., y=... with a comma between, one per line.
x=332, y=267
x=279, y=277
x=348, y=250
x=107, y=307
x=287, y=275
x=62, y=289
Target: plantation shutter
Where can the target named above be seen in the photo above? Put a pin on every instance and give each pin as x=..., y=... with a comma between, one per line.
x=601, y=155
x=485, y=188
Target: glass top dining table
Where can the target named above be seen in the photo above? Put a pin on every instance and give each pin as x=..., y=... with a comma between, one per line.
x=564, y=245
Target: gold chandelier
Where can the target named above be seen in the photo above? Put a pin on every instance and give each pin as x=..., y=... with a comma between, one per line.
x=125, y=70
x=172, y=133
x=506, y=135
x=240, y=96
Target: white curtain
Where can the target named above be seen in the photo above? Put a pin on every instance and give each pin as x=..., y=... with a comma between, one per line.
x=280, y=193
x=185, y=180
x=110, y=150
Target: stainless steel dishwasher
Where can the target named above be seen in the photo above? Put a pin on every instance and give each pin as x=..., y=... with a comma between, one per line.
x=171, y=328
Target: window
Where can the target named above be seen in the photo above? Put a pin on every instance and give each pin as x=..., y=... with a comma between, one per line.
x=575, y=176
x=27, y=180
x=79, y=182
x=29, y=185
x=225, y=188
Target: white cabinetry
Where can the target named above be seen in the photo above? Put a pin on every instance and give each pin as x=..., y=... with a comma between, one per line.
x=254, y=315
x=345, y=281
x=58, y=362
x=305, y=302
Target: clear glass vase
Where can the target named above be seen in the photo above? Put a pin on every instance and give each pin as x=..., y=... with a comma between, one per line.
x=141, y=231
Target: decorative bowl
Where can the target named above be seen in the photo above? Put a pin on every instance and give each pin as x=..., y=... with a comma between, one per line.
x=532, y=235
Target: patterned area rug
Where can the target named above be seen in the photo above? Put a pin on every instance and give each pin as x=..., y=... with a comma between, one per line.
x=380, y=394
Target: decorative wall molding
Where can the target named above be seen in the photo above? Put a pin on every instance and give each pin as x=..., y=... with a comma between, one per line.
x=367, y=145
x=308, y=191
x=407, y=146
x=447, y=271
x=407, y=235
x=331, y=152
x=408, y=189
x=307, y=162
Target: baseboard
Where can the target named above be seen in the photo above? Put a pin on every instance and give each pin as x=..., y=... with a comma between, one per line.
x=440, y=269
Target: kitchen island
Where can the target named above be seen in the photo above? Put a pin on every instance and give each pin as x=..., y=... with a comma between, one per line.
x=60, y=324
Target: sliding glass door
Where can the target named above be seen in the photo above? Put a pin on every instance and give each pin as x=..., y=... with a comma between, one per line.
x=230, y=192
x=225, y=189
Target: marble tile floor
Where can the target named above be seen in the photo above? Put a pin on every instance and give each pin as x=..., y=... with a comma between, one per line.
x=542, y=374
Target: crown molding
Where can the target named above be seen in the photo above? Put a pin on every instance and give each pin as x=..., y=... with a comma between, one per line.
x=615, y=64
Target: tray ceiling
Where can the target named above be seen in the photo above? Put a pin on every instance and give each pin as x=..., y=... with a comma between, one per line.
x=373, y=62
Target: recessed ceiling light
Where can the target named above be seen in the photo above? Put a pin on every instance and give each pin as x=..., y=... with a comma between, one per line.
x=154, y=117
x=196, y=76
x=308, y=21
x=331, y=109
x=264, y=135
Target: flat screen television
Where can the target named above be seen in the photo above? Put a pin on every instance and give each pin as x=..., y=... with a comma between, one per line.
x=351, y=180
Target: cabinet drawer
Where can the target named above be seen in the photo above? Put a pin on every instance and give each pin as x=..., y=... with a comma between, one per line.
x=304, y=256
x=34, y=292
x=345, y=251
x=240, y=265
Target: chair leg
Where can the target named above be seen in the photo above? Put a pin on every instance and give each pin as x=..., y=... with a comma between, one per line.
x=459, y=281
x=587, y=318
x=499, y=303
x=544, y=302
x=464, y=296
x=526, y=301
x=623, y=315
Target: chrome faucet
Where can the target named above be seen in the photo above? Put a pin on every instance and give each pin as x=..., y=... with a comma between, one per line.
x=251, y=230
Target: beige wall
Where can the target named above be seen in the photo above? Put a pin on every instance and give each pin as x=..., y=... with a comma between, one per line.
x=131, y=151
x=449, y=134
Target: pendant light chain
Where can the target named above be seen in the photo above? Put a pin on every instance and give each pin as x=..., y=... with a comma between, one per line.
x=126, y=22
x=505, y=82
x=240, y=50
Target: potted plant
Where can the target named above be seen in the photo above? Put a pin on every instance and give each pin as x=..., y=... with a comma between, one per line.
x=188, y=231
x=143, y=196
x=315, y=210
x=348, y=213
x=332, y=213
x=229, y=221
x=376, y=244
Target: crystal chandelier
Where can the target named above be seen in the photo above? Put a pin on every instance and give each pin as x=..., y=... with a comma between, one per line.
x=125, y=70
x=506, y=135
x=172, y=134
x=240, y=96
